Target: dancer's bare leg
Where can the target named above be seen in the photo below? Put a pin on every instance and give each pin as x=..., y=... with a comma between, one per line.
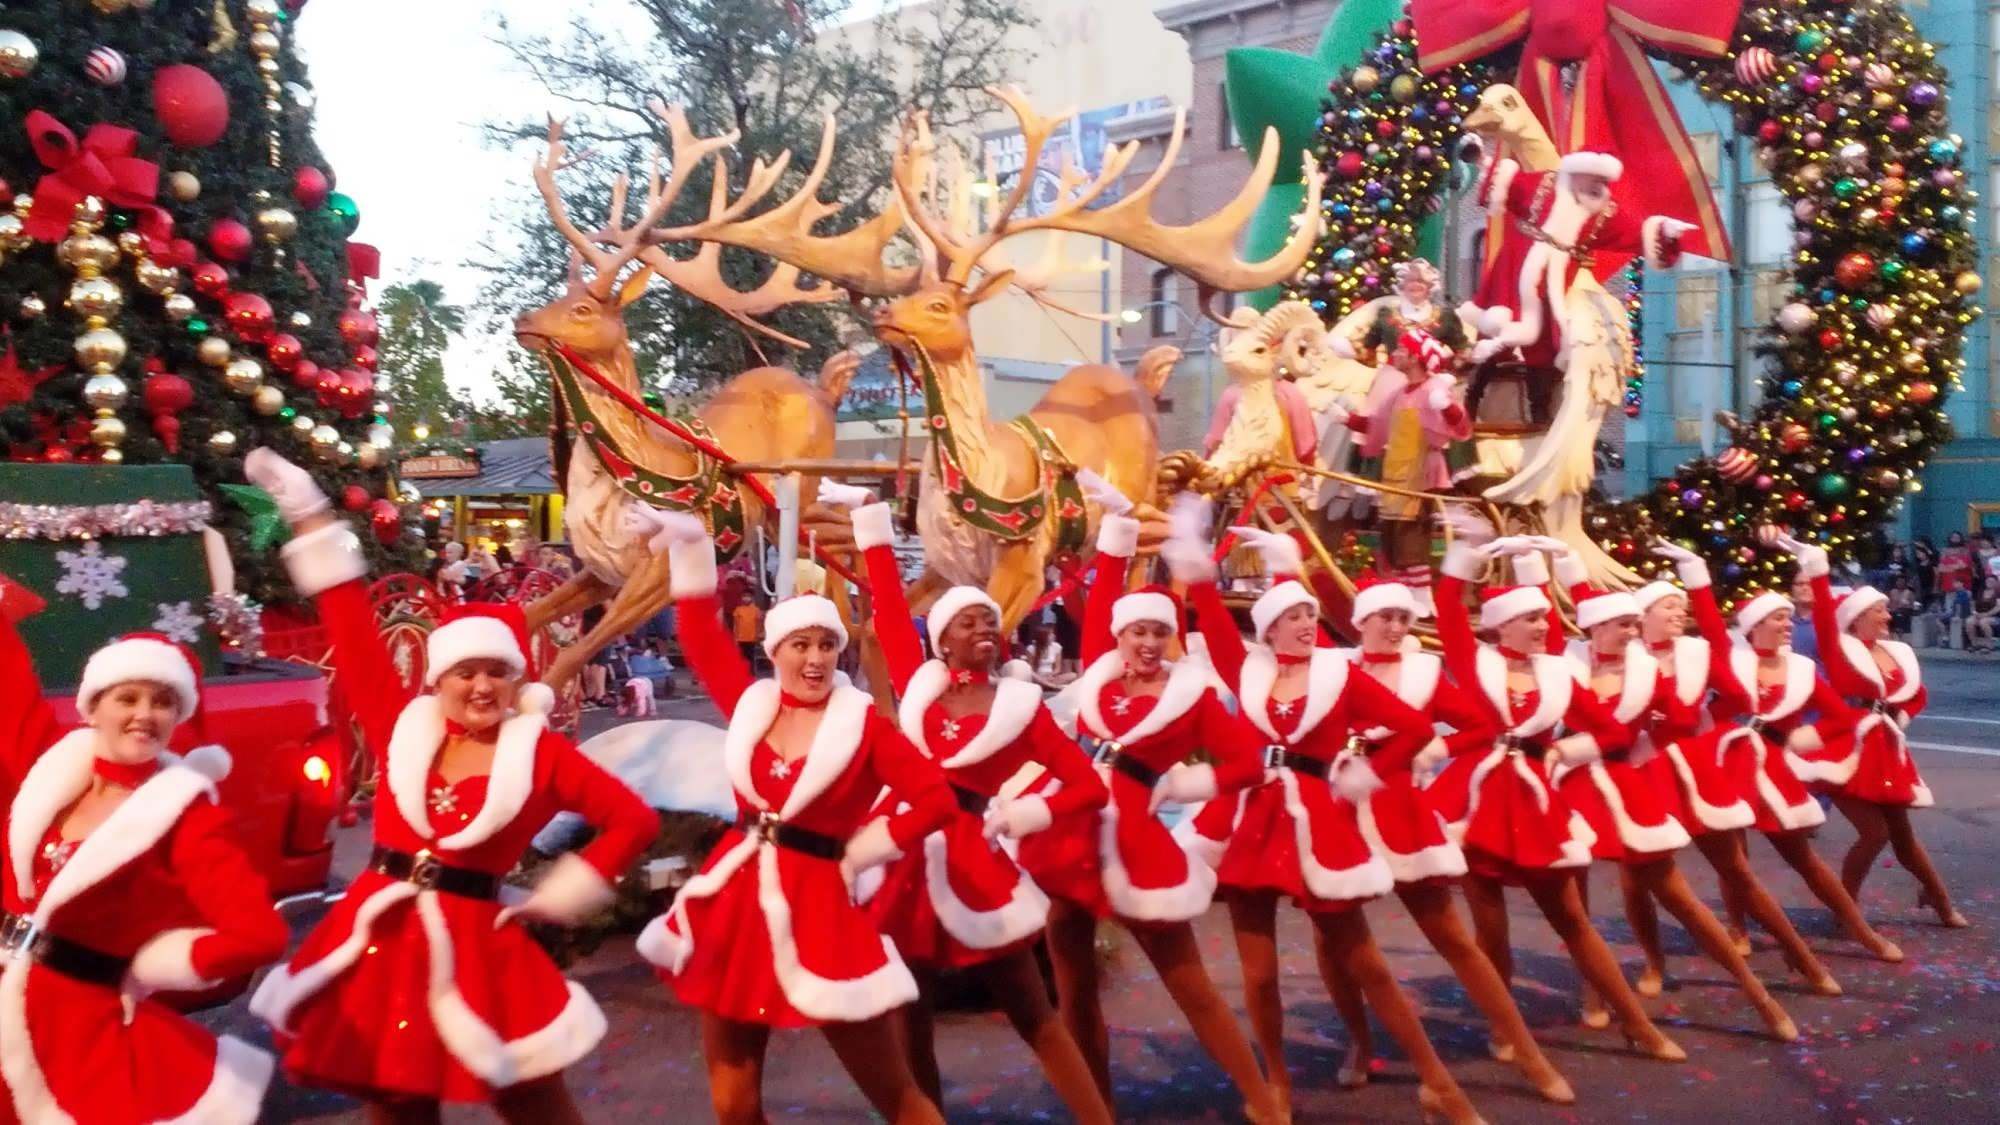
x=1072, y=935
x=1796, y=849
x=1254, y=917
x=1725, y=853
x=1176, y=957
x=1016, y=982
x=1563, y=907
x=867, y=1051
x=1644, y=919
x=735, y=1055
x=1661, y=879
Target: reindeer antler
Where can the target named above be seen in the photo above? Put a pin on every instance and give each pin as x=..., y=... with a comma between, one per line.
x=624, y=242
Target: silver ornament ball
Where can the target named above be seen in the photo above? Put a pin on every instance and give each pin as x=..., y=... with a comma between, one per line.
x=18, y=55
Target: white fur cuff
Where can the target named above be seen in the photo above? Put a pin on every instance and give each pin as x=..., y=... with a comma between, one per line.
x=1118, y=535
x=571, y=891
x=1431, y=756
x=1463, y=563
x=322, y=559
x=874, y=526
x=1531, y=570
x=1813, y=563
x=1577, y=749
x=691, y=564
x=1570, y=570
x=166, y=963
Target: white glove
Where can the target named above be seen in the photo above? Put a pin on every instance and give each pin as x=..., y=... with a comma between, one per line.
x=1674, y=229
x=839, y=495
x=1467, y=526
x=1099, y=491
x=1022, y=816
x=1185, y=785
x=871, y=847
x=1548, y=543
x=1337, y=414
x=1512, y=546
x=1667, y=549
x=1439, y=387
x=570, y=893
x=1692, y=568
x=296, y=493
x=1485, y=350
x=1187, y=560
x=661, y=528
x=1340, y=346
x=1281, y=552
x=1813, y=562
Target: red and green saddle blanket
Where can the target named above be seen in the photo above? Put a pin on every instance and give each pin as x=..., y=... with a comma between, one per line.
x=709, y=492
x=1058, y=496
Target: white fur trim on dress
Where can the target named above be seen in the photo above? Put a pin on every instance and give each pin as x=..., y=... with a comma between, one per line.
x=1715, y=818
x=572, y=890
x=324, y=558
x=1690, y=664
x=414, y=744
x=1203, y=848
x=1553, y=679
x=235, y=1093
x=1187, y=679
x=949, y=605
x=1444, y=859
x=1015, y=703
x=691, y=568
x=1499, y=181
x=833, y=747
x=1145, y=605
x=1274, y=603
x=1800, y=677
x=1636, y=686
x=1666, y=836
x=1326, y=681
x=874, y=526
x=140, y=658
x=1118, y=535
x=1758, y=608
x=287, y=986
x=1863, y=662
x=166, y=962
x=802, y=611
x=1519, y=601
x=1365, y=880
x=1592, y=164
x=1023, y=915
x=471, y=638
x=1189, y=898
x=1382, y=597
x=1857, y=603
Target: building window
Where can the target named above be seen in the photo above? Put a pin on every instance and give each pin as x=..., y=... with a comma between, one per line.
x=1164, y=302
x=1226, y=133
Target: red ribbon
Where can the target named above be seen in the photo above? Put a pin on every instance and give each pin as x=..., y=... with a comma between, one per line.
x=364, y=262
x=102, y=165
x=1618, y=104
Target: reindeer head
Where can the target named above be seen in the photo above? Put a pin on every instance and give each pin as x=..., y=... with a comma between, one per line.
x=590, y=324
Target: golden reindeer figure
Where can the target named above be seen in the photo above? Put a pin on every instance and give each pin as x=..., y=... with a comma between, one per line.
x=614, y=458
x=999, y=499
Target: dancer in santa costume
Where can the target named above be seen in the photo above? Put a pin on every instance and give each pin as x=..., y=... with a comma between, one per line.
x=767, y=934
x=958, y=902
x=1495, y=790
x=419, y=987
x=1404, y=829
x=122, y=879
x=1631, y=813
x=1868, y=770
x=1298, y=835
x=1763, y=691
x=1712, y=803
x=1144, y=715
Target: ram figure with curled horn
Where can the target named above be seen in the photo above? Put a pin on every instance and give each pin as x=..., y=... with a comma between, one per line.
x=998, y=497
x=608, y=457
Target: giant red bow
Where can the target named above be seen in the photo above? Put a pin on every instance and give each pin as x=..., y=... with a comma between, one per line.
x=1618, y=104
x=102, y=165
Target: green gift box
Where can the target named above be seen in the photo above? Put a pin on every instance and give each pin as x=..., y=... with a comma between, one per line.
x=113, y=550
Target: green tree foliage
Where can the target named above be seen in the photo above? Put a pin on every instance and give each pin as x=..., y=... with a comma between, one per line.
x=418, y=326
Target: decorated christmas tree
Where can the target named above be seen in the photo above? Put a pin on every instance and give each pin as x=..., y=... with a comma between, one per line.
x=178, y=281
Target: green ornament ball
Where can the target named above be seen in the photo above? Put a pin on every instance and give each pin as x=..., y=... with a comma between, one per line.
x=345, y=211
x=1833, y=486
x=1847, y=187
x=1809, y=40
x=1894, y=270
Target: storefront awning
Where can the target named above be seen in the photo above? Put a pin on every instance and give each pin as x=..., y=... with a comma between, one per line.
x=511, y=467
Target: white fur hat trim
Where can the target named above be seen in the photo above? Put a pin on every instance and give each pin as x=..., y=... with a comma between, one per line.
x=471, y=638
x=1383, y=596
x=1520, y=600
x=1594, y=611
x=1275, y=602
x=1850, y=608
x=950, y=604
x=1652, y=593
x=806, y=611
x=140, y=658
x=1760, y=607
x=1146, y=605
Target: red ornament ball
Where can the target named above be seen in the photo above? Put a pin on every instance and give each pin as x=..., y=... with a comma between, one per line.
x=1829, y=340
x=328, y=389
x=1349, y=165
x=354, y=498
x=284, y=351
x=357, y=390
x=191, y=105
x=1921, y=393
x=167, y=393
x=307, y=374
x=249, y=315
x=310, y=187
x=358, y=327
x=211, y=279
x=1770, y=132
x=1854, y=270
x=1795, y=501
x=1793, y=437
x=385, y=520
x=365, y=357
x=229, y=240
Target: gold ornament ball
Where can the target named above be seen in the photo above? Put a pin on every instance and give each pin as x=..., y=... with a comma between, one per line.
x=1913, y=362
x=154, y=277
x=302, y=425
x=263, y=44
x=131, y=243
x=368, y=456
x=185, y=186
x=344, y=453
x=32, y=307
x=108, y=431
x=100, y=350
x=94, y=251
x=105, y=392
x=95, y=296
x=325, y=442
x=275, y=224
x=1968, y=283
x=18, y=55
x=222, y=443
x=178, y=306
x=24, y=204
x=262, y=11
x=268, y=400
x=1365, y=79
x=112, y=456
x=267, y=67
x=213, y=351
x=89, y=211
x=1404, y=88
x=13, y=231
x=243, y=375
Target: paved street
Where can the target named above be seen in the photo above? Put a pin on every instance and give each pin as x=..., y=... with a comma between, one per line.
x=1907, y=1042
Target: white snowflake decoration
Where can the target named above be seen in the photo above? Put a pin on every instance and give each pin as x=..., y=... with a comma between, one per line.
x=91, y=574
x=179, y=621
x=949, y=730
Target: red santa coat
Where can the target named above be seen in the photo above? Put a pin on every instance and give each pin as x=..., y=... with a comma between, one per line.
x=162, y=882
x=1399, y=820
x=1702, y=797
x=1870, y=762
x=1122, y=861
x=959, y=899
x=1617, y=794
x=406, y=990
x=766, y=933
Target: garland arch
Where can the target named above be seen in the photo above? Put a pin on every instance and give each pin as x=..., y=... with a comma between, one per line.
x=1845, y=104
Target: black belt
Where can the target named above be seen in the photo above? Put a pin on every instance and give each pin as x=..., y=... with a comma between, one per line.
x=1278, y=757
x=425, y=871
x=970, y=801
x=767, y=827
x=1758, y=727
x=19, y=937
x=1112, y=753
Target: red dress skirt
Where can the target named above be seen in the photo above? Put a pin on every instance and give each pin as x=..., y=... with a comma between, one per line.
x=1509, y=818
x=1626, y=807
x=1755, y=766
x=1874, y=758
x=1701, y=794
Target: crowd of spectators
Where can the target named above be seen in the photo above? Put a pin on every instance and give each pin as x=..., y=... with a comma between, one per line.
x=1943, y=597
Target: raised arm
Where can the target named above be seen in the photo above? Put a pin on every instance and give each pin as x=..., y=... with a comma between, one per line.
x=1218, y=627
x=28, y=724
x=705, y=639
x=1117, y=539
x=1462, y=567
x=902, y=648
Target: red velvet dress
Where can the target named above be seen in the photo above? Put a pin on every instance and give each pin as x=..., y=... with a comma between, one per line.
x=1122, y=861
x=1703, y=797
x=1299, y=833
x=1623, y=801
x=1870, y=762
x=1399, y=820
x=162, y=881
x=959, y=899
x=1495, y=792
x=408, y=990
x=768, y=933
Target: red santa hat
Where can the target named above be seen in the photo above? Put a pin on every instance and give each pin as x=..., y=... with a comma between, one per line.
x=1274, y=603
x=1600, y=606
x=1652, y=593
x=1591, y=164
x=1427, y=348
x=1149, y=603
x=805, y=611
x=1848, y=608
x=949, y=605
x=1501, y=604
x=487, y=631
x=150, y=657
x=1374, y=594
x=1757, y=608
